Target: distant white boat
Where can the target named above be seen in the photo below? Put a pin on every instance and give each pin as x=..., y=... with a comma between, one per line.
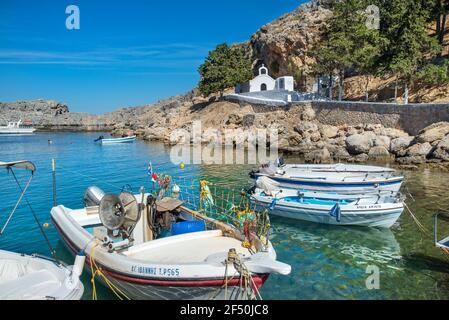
x=102, y=140
x=16, y=128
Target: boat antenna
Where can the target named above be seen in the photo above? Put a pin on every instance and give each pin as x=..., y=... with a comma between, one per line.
x=52, y=250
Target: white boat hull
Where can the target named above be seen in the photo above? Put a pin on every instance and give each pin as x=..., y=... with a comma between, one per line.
x=365, y=214
x=350, y=186
x=147, y=271
x=118, y=140
x=17, y=131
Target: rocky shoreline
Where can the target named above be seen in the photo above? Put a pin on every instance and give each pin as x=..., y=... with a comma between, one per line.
x=299, y=130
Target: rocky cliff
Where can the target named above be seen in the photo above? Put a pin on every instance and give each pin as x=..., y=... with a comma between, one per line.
x=51, y=115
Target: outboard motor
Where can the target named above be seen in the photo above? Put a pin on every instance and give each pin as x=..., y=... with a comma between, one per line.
x=93, y=196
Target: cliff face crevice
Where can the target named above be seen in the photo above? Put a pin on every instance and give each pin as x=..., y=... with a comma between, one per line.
x=284, y=44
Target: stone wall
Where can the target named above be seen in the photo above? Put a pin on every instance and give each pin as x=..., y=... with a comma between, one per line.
x=411, y=118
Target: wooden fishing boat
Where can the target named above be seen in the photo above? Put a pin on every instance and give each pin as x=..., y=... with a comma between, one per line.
x=148, y=249
x=130, y=139
x=333, y=178
x=380, y=210
x=35, y=277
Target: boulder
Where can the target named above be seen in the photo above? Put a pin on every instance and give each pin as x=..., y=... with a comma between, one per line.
x=306, y=127
x=394, y=133
x=283, y=144
x=359, y=143
x=234, y=119
x=318, y=156
x=419, y=150
x=378, y=152
x=360, y=158
x=399, y=146
x=436, y=131
x=308, y=114
x=248, y=120
x=341, y=154
x=442, y=150
x=382, y=141
x=329, y=132
x=411, y=160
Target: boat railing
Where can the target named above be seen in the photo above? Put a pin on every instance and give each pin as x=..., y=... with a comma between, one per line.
x=443, y=244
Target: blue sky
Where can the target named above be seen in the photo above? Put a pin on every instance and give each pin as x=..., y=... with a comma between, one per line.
x=126, y=53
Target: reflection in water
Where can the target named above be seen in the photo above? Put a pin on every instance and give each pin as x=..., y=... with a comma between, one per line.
x=328, y=262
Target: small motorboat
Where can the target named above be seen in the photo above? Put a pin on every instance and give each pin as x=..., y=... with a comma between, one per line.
x=103, y=140
x=148, y=248
x=16, y=128
x=380, y=210
x=35, y=277
x=444, y=243
x=333, y=178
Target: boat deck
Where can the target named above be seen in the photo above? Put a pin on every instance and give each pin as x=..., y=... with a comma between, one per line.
x=192, y=248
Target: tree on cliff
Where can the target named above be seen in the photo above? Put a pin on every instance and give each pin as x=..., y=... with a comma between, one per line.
x=225, y=67
x=439, y=12
x=347, y=43
x=405, y=25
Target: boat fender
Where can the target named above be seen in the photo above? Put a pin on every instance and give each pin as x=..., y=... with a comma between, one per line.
x=78, y=266
x=176, y=189
x=273, y=204
x=336, y=212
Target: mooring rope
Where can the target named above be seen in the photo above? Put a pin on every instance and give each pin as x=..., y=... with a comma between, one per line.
x=52, y=250
x=95, y=270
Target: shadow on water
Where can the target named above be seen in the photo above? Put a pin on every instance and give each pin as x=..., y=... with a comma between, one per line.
x=420, y=262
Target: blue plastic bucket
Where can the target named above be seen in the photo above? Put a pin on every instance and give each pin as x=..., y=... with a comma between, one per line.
x=188, y=227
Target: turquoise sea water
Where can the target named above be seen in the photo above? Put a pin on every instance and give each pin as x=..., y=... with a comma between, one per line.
x=328, y=262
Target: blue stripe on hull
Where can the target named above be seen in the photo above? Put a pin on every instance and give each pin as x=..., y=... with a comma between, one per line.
x=343, y=184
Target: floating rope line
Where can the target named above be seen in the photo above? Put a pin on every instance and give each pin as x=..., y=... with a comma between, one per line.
x=418, y=223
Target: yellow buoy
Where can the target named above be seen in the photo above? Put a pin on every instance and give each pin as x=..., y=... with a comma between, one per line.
x=182, y=166
x=46, y=225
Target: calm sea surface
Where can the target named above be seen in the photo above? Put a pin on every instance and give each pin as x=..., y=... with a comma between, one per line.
x=328, y=262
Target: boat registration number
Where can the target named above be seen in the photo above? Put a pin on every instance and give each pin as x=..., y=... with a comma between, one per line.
x=374, y=206
x=154, y=271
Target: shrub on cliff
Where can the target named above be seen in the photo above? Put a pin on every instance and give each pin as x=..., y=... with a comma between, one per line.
x=224, y=67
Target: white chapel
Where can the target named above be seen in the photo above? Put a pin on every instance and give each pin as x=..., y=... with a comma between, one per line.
x=264, y=82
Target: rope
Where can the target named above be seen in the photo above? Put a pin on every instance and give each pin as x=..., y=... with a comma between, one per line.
x=246, y=282
x=52, y=250
x=95, y=270
x=418, y=223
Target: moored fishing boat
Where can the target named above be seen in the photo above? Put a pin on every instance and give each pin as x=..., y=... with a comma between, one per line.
x=336, y=209
x=129, y=139
x=35, y=277
x=347, y=180
x=148, y=249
